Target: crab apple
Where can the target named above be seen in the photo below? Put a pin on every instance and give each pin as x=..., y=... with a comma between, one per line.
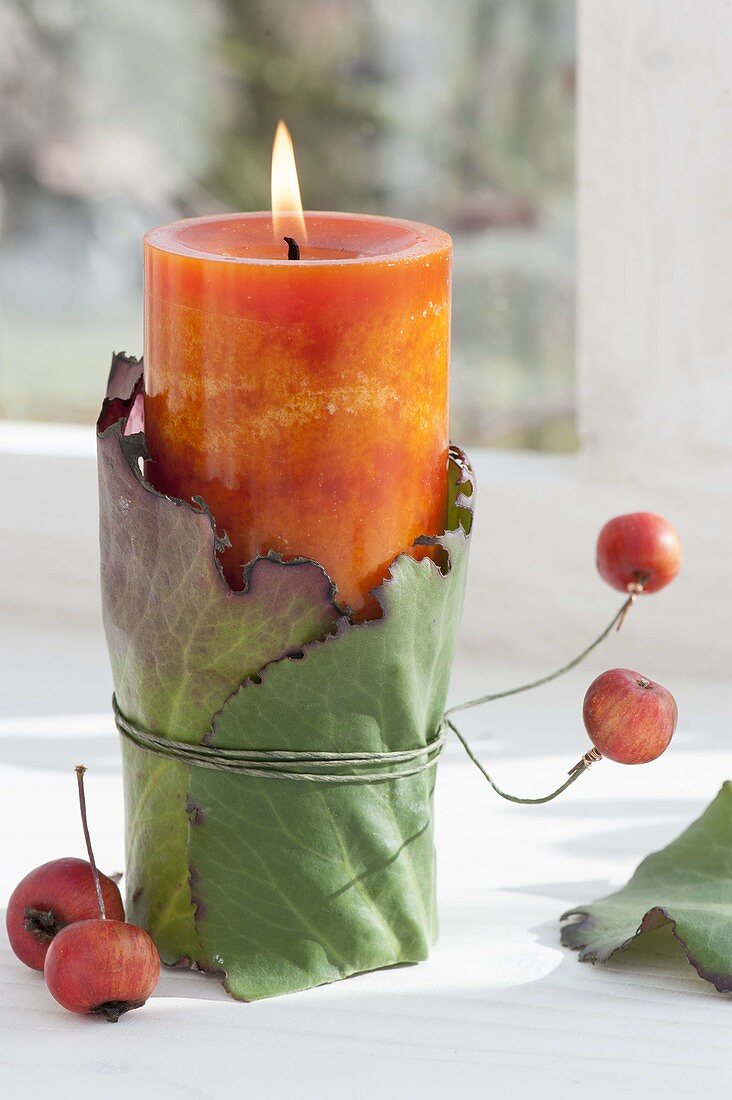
x=629, y=719
x=640, y=549
x=50, y=897
x=102, y=967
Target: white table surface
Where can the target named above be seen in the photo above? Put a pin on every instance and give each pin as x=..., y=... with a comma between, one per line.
x=500, y=1009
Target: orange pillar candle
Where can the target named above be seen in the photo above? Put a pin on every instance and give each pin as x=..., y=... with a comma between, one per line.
x=305, y=400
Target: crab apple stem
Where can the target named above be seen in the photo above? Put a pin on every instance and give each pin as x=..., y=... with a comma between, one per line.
x=635, y=588
x=80, y=770
x=579, y=769
x=616, y=622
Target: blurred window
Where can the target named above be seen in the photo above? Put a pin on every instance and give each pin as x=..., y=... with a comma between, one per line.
x=127, y=114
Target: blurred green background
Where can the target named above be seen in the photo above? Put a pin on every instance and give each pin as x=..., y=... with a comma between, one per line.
x=123, y=114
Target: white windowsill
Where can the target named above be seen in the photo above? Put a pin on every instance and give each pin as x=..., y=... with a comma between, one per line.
x=41, y=439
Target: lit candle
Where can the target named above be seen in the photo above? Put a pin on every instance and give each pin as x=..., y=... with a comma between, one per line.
x=306, y=400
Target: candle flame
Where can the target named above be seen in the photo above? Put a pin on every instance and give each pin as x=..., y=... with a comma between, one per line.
x=287, y=215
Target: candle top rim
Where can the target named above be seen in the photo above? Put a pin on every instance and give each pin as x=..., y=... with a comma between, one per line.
x=410, y=239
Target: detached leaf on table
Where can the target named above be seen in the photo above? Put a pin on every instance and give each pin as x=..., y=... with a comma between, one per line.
x=688, y=885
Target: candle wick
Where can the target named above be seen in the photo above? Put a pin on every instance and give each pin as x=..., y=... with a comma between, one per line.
x=293, y=248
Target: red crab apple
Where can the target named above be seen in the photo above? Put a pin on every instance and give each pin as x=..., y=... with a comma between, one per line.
x=102, y=967
x=629, y=719
x=638, y=552
x=50, y=897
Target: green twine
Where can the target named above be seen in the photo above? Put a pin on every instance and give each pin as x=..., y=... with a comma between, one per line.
x=321, y=767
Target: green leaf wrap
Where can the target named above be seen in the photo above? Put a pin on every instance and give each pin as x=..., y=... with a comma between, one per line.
x=279, y=885
x=687, y=885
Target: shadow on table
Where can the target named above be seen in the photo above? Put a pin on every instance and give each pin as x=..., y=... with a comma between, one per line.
x=178, y=982
x=631, y=807
x=655, y=959
x=568, y=892
x=625, y=841
x=672, y=817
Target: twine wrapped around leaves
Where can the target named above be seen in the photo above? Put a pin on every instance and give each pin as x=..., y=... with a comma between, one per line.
x=325, y=767
x=328, y=767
